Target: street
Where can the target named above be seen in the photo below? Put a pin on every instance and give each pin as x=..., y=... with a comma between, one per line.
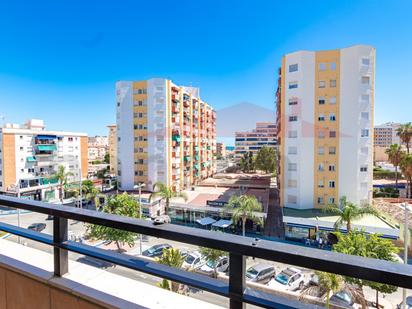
x=78, y=229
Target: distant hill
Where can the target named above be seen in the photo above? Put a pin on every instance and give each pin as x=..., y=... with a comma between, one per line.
x=241, y=117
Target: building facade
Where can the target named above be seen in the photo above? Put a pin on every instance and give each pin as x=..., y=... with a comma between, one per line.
x=30, y=156
x=221, y=150
x=325, y=124
x=112, y=139
x=252, y=141
x=98, y=146
x=386, y=134
x=165, y=133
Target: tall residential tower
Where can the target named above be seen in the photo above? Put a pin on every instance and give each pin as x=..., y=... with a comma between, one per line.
x=165, y=133
x=325, y=126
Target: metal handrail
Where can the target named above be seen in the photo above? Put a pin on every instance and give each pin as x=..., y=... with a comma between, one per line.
x=238, y=248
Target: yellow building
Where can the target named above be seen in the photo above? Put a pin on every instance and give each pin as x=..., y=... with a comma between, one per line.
x=325, y=126
x=112, y=139
x=165, y=133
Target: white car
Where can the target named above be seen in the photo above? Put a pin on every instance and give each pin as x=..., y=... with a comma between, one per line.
x=222, y=265
x=289, y=279
x=193, y=260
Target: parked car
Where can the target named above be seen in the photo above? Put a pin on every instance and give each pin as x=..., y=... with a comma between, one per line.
x=289, y=279
x=261, y=273
x=161, y=219
x=221, y=265
x=193, y=260
x=342, y=299
x=37, y=227
x=156, y=250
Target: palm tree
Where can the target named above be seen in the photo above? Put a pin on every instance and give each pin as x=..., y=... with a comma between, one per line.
x=348, y=212
x=395, y=154
x=166, y=193
x=173, y=258
x=405, y=134
x=61, y=176
x=91, y=192
x=406, y=168
x=328, y=284
x=243, y=207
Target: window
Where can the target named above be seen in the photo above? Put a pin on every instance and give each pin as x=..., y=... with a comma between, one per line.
x=365, y=98
x=70, y=139
x=332, y=150
x=292, y=183
x=292, y=167
x=331, y=168
x=21, y=148
x=293, y=67
x=365, y=115
x=364, y=168
x=321, y=117
x=364, y=132
x=331, y=200
x=293, y=118
x=365, y=61
x=293, y=85
x=320, y=184
x=365, y=80
x=332, y=117
x=331, y=184
x=322, y=84
x=118, y=104
x=321, y=134
x=292, y=134
x=322, y=66
x=321, y=150
x=332, y=83
x=293, y=101
x=321, y=100
x=320, y=200
x=321, y=168
x=292, y=199
x=332, y=134
x=21, y=137
x=292, y=150
x=333, y=66
x=332, y=100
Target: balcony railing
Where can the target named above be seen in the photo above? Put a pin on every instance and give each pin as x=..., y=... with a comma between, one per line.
x=238, y=248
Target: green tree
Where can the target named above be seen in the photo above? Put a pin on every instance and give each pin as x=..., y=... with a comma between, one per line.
x=372, y=246
x=405, y=134
x=213, y=256
x=123, y=205
x=242, y=208
x=62, y=178
x=173, y=258
x=406, y=168
x=100, y=174
x=106, y=158
x=247, y=162
x=395, y=155
x=166, y=193
x=266, y=159
x=347, y=212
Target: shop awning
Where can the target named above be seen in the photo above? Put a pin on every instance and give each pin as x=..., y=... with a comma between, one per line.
x=222, y=223
x=31, y=159
x=46, y=137
x=46, y=147
x=205, y=221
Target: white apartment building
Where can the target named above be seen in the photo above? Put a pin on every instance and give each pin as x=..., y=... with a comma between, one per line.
x=98, y=146
x=30, y=156
x=325, y=126
x=165, y=133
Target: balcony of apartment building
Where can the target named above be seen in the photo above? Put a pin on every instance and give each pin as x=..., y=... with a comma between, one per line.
x=45, y=140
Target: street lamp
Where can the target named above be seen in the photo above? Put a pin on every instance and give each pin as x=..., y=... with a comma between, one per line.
x=140, y=186
x=406, y=244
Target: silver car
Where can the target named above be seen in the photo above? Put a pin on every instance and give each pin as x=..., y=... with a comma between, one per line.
x=261, y=273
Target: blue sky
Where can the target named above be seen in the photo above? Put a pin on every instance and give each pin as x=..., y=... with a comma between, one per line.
x=59, y=60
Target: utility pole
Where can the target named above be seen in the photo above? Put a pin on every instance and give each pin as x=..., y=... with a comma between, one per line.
x=140, y=186
x=406, y=245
